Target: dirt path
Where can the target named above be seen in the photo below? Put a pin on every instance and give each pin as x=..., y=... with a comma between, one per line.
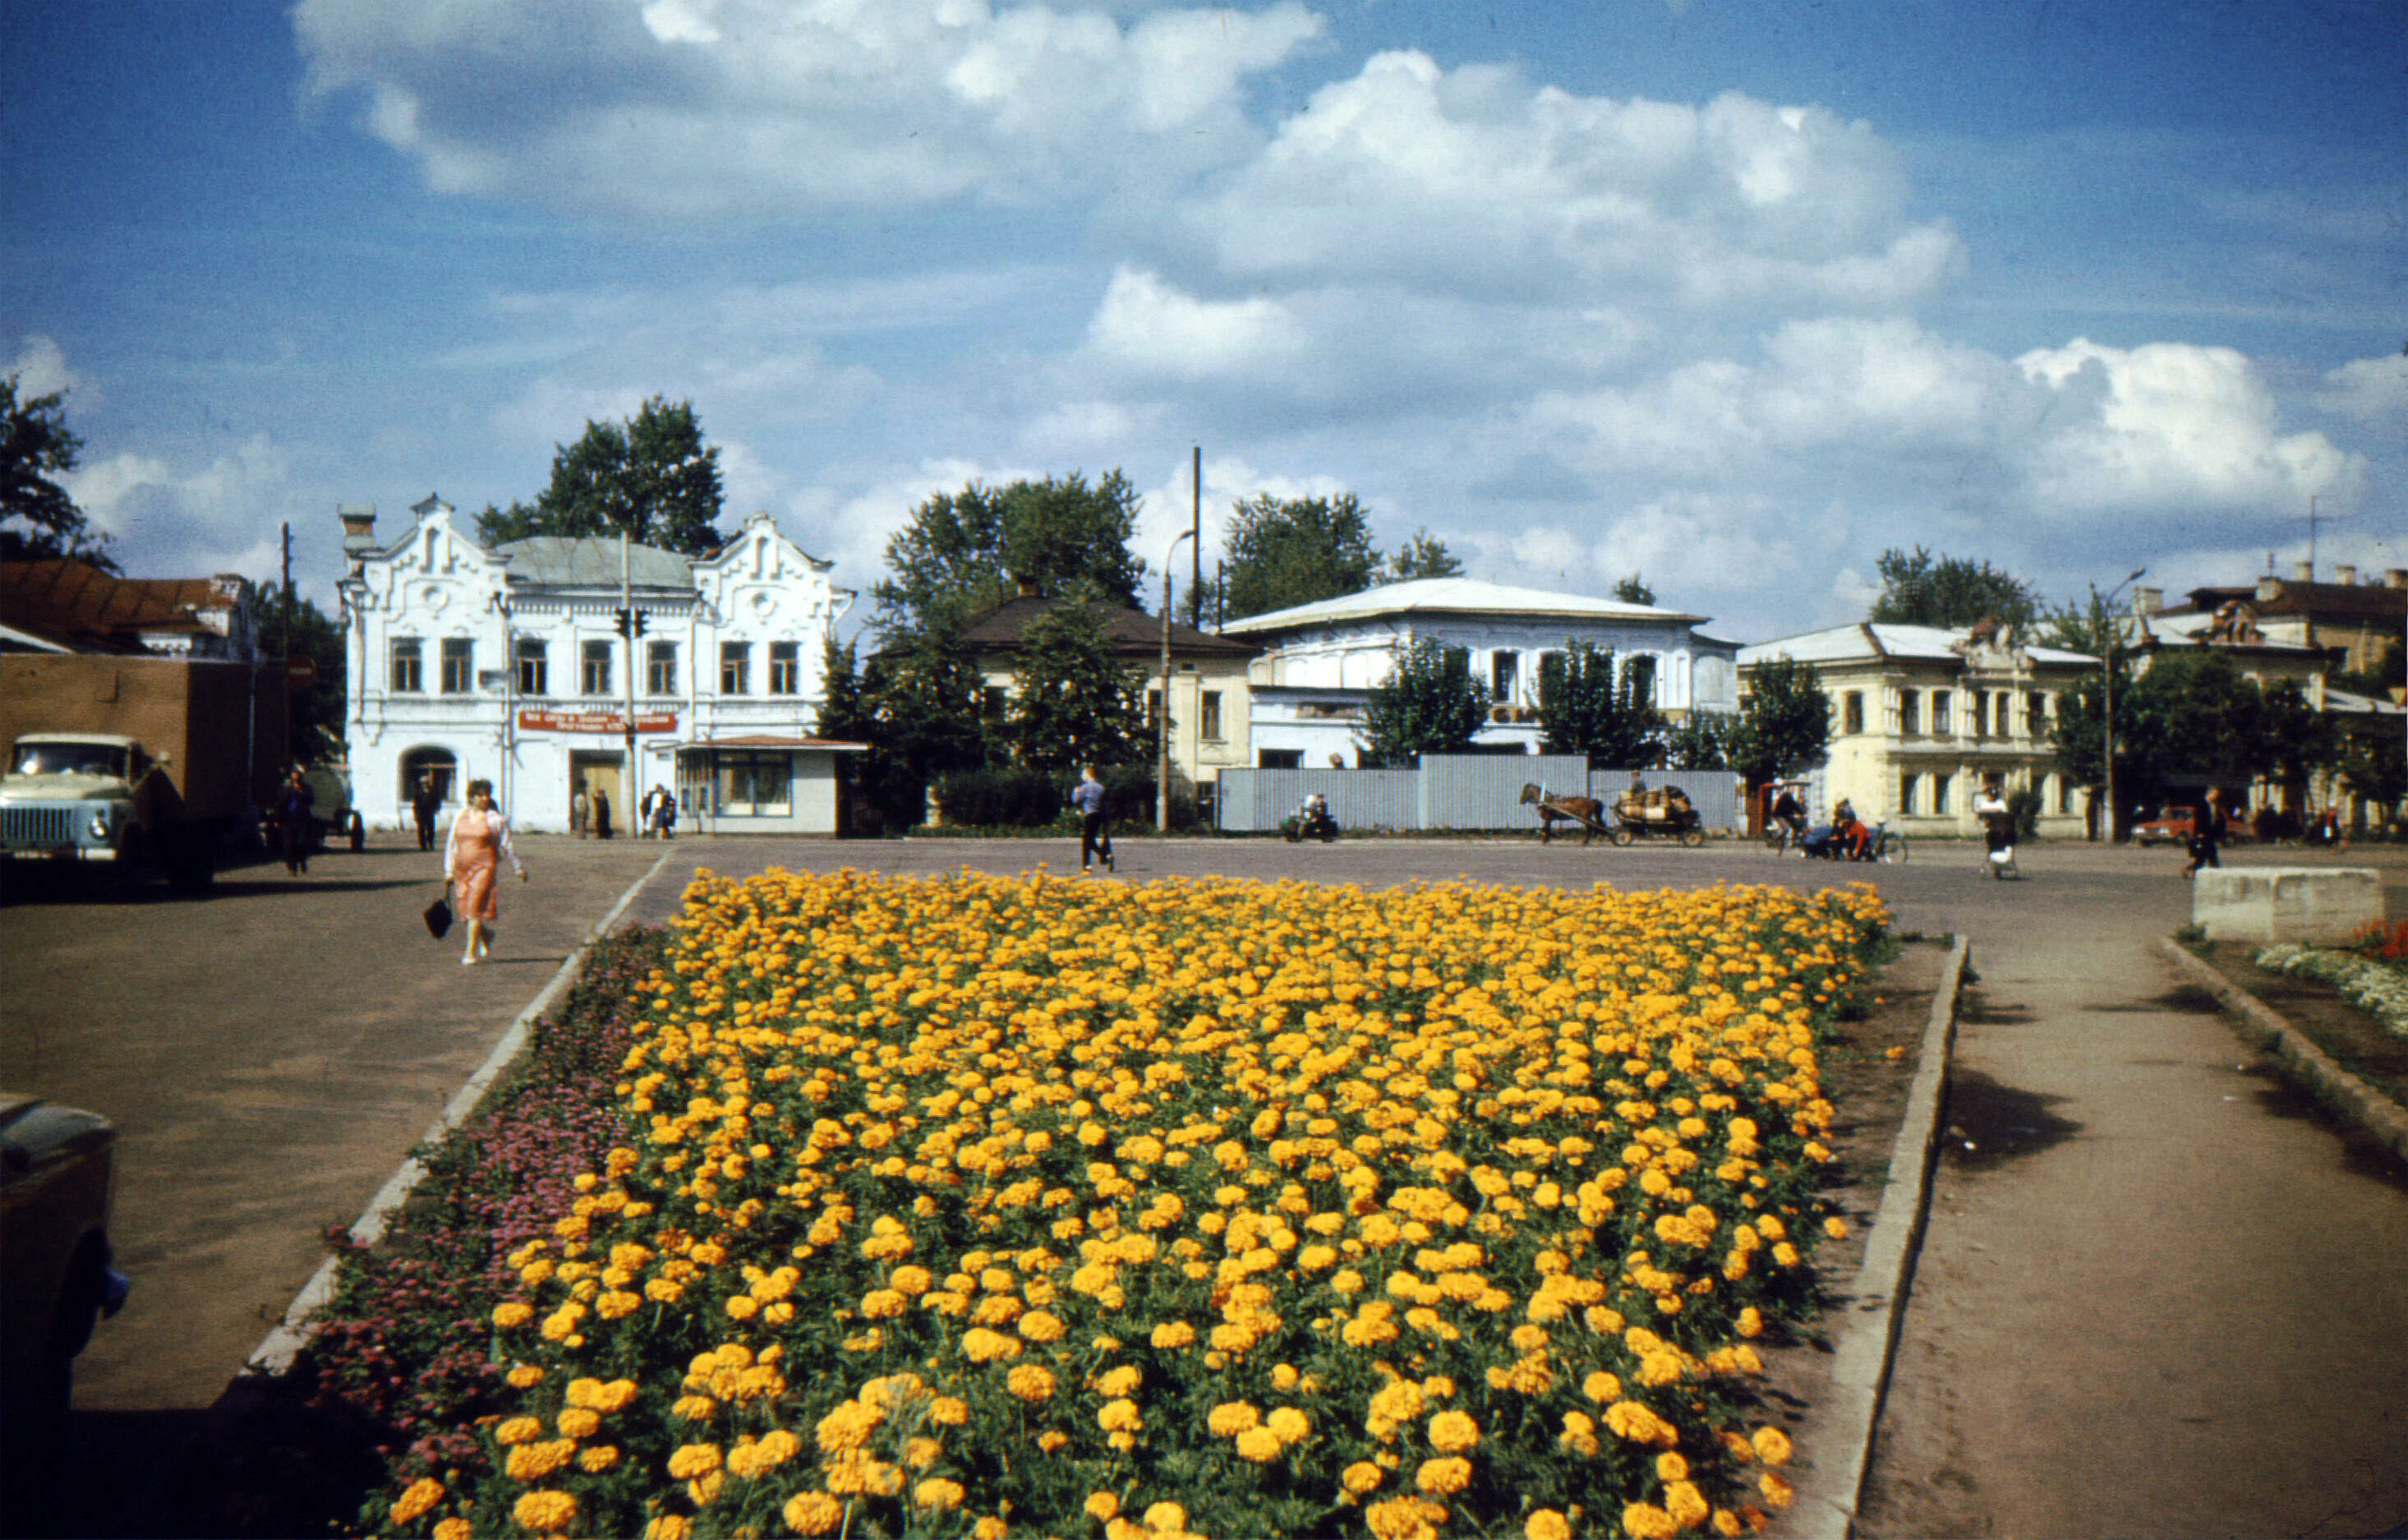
x=2157, y=1296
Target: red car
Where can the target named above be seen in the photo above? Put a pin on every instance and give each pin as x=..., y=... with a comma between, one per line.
x=2175, y=829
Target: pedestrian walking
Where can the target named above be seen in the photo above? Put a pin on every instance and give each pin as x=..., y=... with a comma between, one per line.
x=2206, y=832
x=601, y=814
x=1997, y=830
x=293, y=822
x=424, y=803
x=1095, y=828
x=472, y=857
x=581, y=811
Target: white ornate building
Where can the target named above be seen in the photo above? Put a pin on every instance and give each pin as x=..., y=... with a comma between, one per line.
x=508, y=665
x=1321, y=660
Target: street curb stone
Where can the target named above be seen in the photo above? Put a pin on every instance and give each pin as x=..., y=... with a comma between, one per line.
x=1827, y=1495
x=275, y=1351
x=2352, y=1097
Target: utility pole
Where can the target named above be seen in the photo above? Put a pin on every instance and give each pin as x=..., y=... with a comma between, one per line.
x=1162, y=784
x=1196, y=532
x=284, y=643
x=627, y=630
x=2107, y=682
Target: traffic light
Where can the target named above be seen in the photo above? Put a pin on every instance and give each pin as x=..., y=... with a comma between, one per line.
x=640, y=617
x=629, y=623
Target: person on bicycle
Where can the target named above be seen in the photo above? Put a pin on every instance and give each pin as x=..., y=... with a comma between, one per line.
x=1789, y=814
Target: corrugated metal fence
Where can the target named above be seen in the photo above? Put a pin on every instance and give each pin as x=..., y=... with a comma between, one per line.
x=1470, y=791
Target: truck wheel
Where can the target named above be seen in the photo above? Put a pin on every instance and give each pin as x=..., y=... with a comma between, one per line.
x=125, y=872
x=195, y=865
x=359, y=834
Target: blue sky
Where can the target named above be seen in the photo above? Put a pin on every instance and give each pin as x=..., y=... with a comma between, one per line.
x=1731, y=295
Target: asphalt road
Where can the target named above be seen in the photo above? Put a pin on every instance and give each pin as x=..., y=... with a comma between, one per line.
x=2157, y=1296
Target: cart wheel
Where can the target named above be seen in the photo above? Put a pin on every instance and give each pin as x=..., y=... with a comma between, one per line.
x=1622, y=836
x=1693, y=838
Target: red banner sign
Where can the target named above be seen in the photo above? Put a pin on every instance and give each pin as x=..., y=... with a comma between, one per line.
x=601, y=722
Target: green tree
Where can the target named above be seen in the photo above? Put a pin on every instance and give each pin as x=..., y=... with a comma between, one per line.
x=920, y=709
x=1634, y=590
x=1423, y=556
x=1949, y=591
x=2300, y=741
x=2375, y=763
x=1703, y=740
x=1074, y=701
x=963, y=553
x=1586, y=710
x=37, y=519
x=1784, y=723
x=294, y=626
x=1429, y=704
x=650, y=477
x=1288, y=552
x=2077, y=728
x=2193, y=718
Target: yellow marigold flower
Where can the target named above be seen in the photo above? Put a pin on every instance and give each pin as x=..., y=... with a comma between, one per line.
x=1772, y=1445
x=1776, y=1491
x=1030, y=1382
x=1629, y=1420
x=416, y=1499
x=1103, y=1507
x=1546, y=1524
x=600, y=1458
x=1040, y=1325
x=1751, y=1322
x=1686, y=1504
x=1118, y=1381
x=1232, y=1418
x=1579, y=1434
x=545, y=1513
x=1452, y=1432
x=1671, y=1467
x=1360, y=1477
x=1172, y=1334
x=949, y=1411
x=1527, y=1338
x=1646, y=1522
x=522, y=1376
x=690, y=1461
x=533, y=1462
x=1441, y=1477
x=512, y=1313
x=1166, y=1517
x=668, y=1526
x=454, y=1529
x=1836, y=1228
x=1259, y=1445
x=693, y=1408
x=1051, y=1439
x=937, y=1493
x=1284, y=1376
x=1290, y=1425
x=812, y=1513
x=517, y=1429
x=577, y=1422
x=1119, y=1416
x=1726, y=1523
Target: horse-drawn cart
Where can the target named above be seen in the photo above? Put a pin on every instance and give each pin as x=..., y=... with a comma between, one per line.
x=1587, y=812
x=1661, y=812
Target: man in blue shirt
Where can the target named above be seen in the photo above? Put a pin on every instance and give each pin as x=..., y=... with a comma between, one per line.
x=1095, y=838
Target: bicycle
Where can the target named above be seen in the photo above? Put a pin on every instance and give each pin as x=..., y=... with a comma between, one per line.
x=1780, y=839
x=1886, y=845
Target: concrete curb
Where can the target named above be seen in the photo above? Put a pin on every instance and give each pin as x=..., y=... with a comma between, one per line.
x=275, y=1351
x=1825, y=1504
x=2353, y=1098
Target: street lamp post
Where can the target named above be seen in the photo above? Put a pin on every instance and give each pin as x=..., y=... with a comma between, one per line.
x=2107, y=680
x=1162, y=786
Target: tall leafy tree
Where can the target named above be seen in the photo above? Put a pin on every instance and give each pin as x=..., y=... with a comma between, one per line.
x=1074, y=701
x=1586, y=709
x=1429, y=704
x=294, y=626
x=1784, y=723
x=1922, y=589
x=1285, y=552
x=2375, y=763
x=2194, y=716
x=1634, y=590
x=920, y=709
x=38, y=518
x=651, y=477
x=1423, y=556
x=1703, y=740
x=963, y=553
x=2301, y=741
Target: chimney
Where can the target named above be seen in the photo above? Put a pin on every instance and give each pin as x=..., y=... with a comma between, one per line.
x=2148, y=602
x=2270, y=588
x=2345, y=573
x=2395, y=577
x=359, y=527
x=2304, y=571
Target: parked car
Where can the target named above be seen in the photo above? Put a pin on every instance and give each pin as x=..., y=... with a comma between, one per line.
x=2174, y=828
x=56, y=1166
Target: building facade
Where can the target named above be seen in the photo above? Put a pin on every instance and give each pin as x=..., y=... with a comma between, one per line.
x=1321, y=661
x=1922, y=718
x=62, y=605
x=508, y=663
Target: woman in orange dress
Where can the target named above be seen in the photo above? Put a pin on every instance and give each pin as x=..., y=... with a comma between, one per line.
x=472, y=857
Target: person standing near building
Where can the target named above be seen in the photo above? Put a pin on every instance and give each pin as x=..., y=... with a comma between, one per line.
x=426, y=801
x=580, y=810
x=1094, y=833
x=472, y=857
x=601, y=814
x=293, y=822
x=2206, y=832
x=1998, y=829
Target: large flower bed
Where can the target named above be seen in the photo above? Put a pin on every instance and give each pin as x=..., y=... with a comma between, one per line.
x=996, y=1205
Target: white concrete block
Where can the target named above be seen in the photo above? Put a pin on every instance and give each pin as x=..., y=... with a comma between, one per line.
x=2308, y=904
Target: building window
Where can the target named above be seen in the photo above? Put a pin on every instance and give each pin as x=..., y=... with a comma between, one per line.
x=785, y=667
x=735, y=667
x=534, y=668
x=660, y=668
x=1280, y=759
x=1906, y=794
x=755, y=784
x=1940, y=785
x=2036, y=716
x=2064, y=792
x=422, y=763
x=406, y=677
x=1502, y=666
x=1942, y=704
x=594, y=673
x=1910, y=713
x=994, y=700
x=459, y=670
x=1639, y=676
x=1851, y=711
x=1979, y=703
x=1153, y=711
x=1210, y=714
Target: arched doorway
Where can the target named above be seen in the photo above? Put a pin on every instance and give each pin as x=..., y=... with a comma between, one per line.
x=439, y=763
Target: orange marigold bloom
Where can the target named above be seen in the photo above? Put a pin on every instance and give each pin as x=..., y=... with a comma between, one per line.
x=545, y=1513
x=419, y=1496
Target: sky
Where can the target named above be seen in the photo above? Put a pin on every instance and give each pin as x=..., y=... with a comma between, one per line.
x=1731, y=296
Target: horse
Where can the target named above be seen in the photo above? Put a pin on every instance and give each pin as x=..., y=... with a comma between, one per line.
x=1587, y=812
